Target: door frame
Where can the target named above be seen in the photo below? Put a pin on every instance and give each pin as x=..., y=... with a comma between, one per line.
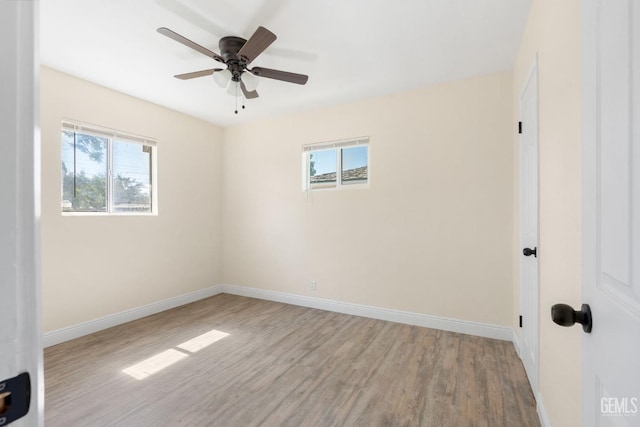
x=20, y=306
x=532, y=77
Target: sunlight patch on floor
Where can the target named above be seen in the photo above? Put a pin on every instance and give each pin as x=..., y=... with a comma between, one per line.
x=202, y=341
x=154, y=364
x=150, y=366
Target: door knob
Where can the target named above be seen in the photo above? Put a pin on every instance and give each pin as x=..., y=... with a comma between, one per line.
x=529, y=252
x=565, y=315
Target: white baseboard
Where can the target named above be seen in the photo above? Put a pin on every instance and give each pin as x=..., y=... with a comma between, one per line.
x=542, y=413
x=516, y=342
x=435, y=322
x=71, y=332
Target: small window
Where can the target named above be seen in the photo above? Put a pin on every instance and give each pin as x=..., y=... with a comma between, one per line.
x=105, y=171
x=323, y=161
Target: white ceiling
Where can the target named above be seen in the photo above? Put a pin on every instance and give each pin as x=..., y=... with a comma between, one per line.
x=351, y=49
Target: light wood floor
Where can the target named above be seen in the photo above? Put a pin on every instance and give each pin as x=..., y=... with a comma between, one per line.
x=283, y=365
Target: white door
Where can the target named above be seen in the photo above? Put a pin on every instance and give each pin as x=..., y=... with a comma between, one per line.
x=20, y=343
x=529, y=226
x=611, y=211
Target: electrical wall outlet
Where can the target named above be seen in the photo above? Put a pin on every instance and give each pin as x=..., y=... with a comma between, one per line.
x=313, y=285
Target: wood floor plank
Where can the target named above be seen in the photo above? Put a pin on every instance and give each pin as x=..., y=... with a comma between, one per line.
x=284, y=365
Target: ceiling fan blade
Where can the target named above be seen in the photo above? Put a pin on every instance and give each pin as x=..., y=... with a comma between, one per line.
x=193, y=45
x=258, y=42
x=247, y=94
x=285, y=76
x=195, y=74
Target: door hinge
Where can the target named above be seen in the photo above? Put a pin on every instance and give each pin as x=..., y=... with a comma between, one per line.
x=521, y=321
x=519, y=127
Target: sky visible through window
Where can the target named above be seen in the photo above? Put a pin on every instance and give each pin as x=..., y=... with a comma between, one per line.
x=352, y=158
x=130, y=160
x=83, y=161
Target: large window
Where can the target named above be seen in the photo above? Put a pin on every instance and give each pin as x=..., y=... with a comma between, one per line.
x=106, y=171
x=336, y=164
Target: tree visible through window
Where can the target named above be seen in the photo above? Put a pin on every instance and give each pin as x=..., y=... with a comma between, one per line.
x=102, y=173
x=84, y=173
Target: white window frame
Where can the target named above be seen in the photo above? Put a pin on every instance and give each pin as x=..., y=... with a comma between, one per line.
x=111, y=135
x=338, y=146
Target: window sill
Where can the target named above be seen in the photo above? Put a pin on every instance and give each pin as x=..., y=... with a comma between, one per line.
x=339, y=188
x=106, y=214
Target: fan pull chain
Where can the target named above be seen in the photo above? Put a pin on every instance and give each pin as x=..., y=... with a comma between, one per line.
x=236, y=98
x=243, y=107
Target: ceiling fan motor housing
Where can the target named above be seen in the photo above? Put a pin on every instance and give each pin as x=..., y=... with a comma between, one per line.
x=229, y=48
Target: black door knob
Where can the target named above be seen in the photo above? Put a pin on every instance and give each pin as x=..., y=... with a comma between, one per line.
x=529, y=252
x=565, y=315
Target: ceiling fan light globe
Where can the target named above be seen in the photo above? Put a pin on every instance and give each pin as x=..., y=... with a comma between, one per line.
x=250, y=81
x=222, y=78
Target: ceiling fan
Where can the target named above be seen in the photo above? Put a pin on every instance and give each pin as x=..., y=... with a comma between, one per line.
x=237, y=53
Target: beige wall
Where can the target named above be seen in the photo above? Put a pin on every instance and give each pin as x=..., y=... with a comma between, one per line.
x=553, y=30
x=94, y=266
x=431, y=235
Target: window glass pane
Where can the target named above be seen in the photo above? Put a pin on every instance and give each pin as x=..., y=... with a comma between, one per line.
x=323, y=166
x=131, y=177
x=84, y=184
x=355, y=169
